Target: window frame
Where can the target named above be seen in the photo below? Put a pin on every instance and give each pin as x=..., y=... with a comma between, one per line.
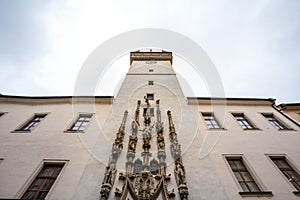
x=73, y=122
x=279, y=122
x=262, y=192
x=20, y=128
x=291, y=165
x=206, y=114
x=235, y=114
x=36, y=172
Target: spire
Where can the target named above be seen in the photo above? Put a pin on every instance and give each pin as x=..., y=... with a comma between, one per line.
x=110, y=173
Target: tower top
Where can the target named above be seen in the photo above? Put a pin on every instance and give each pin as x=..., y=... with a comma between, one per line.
x=144, y=56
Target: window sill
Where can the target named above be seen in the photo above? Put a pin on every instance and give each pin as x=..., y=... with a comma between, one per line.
x=256, y=194
x=216, y=129
x=252, y=129
x=297, y=193
x=70, y=131
x=16, y=131
x=286, y=129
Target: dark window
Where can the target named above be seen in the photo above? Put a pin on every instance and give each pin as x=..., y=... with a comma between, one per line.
x=243, y=121
x=37, y=118
x=210, y=121
x=43, y=182
x=275, y=122
x=291, y=175
x=150, y=96
x=150, y=82
x=150, y=70
x=81, y=122
x=1, y=114
x=242, y=175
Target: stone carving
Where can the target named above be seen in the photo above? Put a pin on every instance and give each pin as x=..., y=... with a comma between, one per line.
x=110, y=173
x=132, y=144
x=109, y=176
x=160, y=141
x=145, y=180
x=144, y=185
x=133, y=140
x=179, y=171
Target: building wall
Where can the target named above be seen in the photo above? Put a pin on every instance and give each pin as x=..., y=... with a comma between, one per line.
x=292, y=110
x=203, y=151
x=23, y=153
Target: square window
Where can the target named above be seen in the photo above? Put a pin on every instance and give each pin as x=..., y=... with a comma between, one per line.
x=242, y=174
x=32, y=123
x=150, y=96
x=81, y=123
x=243, y=121
x=210, y=121
x=151, y=112
x=287, y=170
x=43, y=182
x=150, y=70
x=275, y=122
x=150, y=82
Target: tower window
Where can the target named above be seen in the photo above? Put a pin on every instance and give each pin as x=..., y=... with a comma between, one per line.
x=81, y=123
x=43, y=182
x=292, y=176
x=32, y=123
x=275, y=122
x=150, y=96
x=210, y=121
x=243, y=121
x=151, y=111
x=150, y=82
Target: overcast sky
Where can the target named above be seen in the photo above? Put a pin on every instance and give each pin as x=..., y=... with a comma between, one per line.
x=254, y=44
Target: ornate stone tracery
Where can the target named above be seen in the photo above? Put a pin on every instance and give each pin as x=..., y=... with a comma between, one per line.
x=145, y=179
x=110, y=173
x=179, y=170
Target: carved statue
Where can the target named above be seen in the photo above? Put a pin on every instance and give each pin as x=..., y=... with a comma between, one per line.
x=146, y=100
x=109, y=177
x=160, y=141
x=179, y=173
x=131, y=146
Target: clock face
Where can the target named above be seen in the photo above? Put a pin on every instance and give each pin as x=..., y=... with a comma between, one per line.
x=151, y=62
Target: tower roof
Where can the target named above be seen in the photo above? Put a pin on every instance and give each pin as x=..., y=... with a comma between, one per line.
x=144, y=56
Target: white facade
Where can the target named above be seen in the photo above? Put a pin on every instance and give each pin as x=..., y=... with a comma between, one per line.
x=204, y=151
